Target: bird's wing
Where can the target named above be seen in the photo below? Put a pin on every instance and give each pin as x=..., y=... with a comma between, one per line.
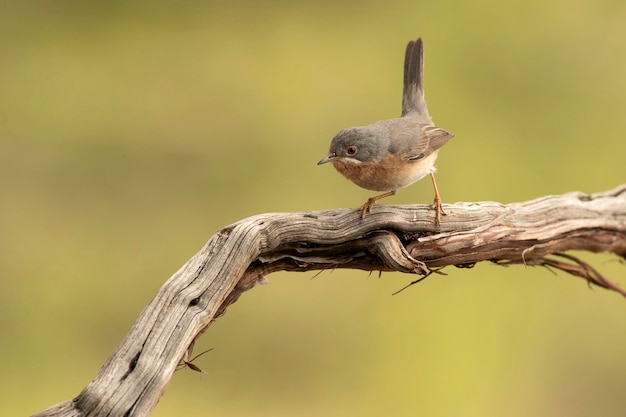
x=431, y=139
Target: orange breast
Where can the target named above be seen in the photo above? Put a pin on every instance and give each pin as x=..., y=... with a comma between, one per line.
x=392, y=173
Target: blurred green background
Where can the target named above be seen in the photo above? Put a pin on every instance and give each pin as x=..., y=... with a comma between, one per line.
x=131, y=131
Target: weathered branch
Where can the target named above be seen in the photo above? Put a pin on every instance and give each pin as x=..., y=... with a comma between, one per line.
x=391, y=238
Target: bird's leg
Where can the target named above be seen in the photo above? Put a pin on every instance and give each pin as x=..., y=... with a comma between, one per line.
x=437, y=204
x=367, y=207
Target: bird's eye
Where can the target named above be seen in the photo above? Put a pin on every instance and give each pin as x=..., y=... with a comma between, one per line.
x=351, y=150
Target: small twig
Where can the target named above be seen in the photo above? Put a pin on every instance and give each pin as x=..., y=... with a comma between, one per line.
x=422, y=278
x=189, y=363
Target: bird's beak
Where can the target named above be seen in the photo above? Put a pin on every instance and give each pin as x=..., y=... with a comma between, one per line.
x=327, y=158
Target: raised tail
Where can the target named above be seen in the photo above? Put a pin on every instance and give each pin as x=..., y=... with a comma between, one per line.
x=413, y=102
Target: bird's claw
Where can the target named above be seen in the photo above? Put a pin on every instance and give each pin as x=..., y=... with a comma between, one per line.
x=439, y=211
x=367, y=207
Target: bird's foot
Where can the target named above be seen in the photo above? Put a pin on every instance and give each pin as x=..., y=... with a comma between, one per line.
x=439, y=211
x=367, y=207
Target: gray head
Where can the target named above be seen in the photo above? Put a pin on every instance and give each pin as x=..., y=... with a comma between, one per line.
x=358, y=144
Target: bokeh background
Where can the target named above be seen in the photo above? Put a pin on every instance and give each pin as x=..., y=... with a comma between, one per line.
x=131, y=131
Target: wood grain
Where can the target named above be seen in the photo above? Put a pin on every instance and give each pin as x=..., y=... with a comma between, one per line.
x=398, y=238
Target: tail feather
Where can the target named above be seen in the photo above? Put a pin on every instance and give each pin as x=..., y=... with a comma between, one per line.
x=413, y=102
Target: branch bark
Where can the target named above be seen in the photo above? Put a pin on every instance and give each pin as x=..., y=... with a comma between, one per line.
x=391, y=238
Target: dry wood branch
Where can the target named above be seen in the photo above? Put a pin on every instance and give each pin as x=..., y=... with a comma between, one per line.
x=391, y=238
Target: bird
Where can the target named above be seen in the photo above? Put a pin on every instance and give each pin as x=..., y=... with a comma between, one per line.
x=391, y=154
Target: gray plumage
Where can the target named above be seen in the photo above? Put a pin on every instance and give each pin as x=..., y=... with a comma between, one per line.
x=393, y=153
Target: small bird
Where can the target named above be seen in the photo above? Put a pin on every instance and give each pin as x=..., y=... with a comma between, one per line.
x=394, y=153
